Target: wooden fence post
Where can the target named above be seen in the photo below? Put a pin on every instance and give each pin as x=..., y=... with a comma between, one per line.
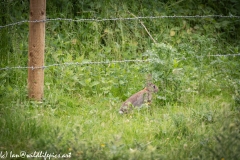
x=36, y=46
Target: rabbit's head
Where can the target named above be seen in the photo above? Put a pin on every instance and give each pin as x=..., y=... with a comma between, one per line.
x=152, y=87
x=149, y=85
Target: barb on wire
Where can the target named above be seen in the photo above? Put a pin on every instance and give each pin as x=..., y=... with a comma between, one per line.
x=75, y=63
x=116, y=19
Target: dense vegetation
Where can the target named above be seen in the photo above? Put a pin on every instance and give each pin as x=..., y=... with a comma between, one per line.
x=195, y=115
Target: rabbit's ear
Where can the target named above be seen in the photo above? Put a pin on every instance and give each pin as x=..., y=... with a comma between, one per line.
x=149, y=79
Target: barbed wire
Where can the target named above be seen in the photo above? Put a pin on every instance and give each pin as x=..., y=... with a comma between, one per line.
x=224, y=55
x=76, y=63
x=107, y=19
x=156, y=60
x=116, y=19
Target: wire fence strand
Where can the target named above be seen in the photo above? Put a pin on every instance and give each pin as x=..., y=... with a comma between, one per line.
x=224, y=55
x=116, y=19
x=108, y=19
x=103, y=62
x=76, y=63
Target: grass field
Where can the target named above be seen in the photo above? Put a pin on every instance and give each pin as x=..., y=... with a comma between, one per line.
x=90, y=127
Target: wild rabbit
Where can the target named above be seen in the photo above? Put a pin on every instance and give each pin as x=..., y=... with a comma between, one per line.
x=138, y=99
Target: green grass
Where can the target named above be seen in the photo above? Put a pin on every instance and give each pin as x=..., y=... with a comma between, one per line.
x=92, y=128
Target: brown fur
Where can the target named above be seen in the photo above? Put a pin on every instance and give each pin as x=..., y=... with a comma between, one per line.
x=138, y=99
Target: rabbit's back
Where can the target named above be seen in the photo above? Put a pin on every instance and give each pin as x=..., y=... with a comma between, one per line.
x=139, y=98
